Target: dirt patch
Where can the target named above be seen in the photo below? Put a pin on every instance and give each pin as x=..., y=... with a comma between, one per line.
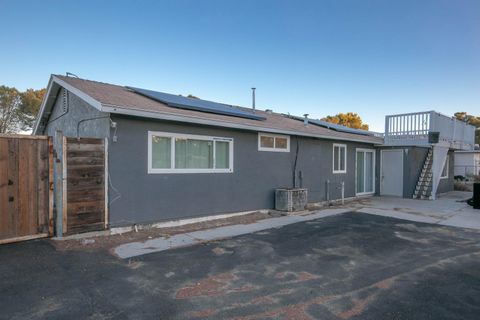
x=211, y=286
x=108, y=242
x=202, y=313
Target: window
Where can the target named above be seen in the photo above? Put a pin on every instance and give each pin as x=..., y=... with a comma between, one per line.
x=445, y=168
x=365, y=171
x=339, y=158
x=184, y=153
x=273, y=142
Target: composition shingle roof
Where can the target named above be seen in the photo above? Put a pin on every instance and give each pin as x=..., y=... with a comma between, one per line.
x=120, y=99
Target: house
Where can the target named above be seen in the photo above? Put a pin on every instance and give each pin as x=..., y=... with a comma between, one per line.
x=172, y=157
x=467, y=163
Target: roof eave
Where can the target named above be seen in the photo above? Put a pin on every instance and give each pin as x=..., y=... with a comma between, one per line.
x=49, y=100
x=225, y=124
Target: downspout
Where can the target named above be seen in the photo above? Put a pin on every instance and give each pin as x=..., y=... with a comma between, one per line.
x=295, y=164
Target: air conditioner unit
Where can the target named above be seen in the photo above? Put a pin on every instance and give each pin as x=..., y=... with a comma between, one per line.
x=291, y=199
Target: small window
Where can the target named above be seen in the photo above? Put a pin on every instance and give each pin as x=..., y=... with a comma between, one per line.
x=339, y=158
x=445, y=169
x=273, y=142
x=182, y=153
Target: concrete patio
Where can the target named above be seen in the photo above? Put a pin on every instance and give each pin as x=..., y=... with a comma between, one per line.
x=449, y=209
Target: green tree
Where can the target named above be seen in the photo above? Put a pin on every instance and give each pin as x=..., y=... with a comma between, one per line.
x=473, y=120
x=349, y=119
x=10, y=100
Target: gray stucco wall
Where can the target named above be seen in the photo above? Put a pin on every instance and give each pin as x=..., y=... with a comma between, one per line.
x=140, y=197
x=69, y=110
x=447, y=184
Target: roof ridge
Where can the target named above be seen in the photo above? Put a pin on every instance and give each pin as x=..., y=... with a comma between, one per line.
x=89, y=80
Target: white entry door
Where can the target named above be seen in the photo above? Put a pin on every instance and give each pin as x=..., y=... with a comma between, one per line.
x=365, y=175
x=391, y=175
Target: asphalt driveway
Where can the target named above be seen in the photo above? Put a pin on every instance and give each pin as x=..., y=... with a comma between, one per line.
x=348, y=266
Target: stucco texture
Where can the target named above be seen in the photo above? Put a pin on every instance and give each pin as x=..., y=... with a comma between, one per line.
x=139, y=197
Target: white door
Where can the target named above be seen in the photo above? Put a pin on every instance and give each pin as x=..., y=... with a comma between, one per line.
x=365, y=175
x=391, y=175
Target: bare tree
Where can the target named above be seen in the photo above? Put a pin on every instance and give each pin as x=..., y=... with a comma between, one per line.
x=10, y=118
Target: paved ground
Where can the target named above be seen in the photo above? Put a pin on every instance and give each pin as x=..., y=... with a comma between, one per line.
x=449, y=209
x=348, y=266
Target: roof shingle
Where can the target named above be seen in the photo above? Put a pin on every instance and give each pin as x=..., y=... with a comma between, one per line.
x=111, y=95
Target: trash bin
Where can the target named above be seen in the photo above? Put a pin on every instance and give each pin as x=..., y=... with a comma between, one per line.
x=476, y=195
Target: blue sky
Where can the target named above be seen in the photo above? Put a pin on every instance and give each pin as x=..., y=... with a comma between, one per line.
x=316, y=57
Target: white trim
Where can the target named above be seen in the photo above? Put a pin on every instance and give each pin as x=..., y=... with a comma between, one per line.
x=446, y=165
x=364, y=165
x=171, y=135
x=85, y=97
x=42, y=107
x=224, y=124
x=57, y=81
x=274, y=136
x=340, y=145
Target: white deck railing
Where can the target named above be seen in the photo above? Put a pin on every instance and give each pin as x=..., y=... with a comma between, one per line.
x=414, y=128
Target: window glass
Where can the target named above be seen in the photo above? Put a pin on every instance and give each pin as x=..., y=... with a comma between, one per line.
x=161, y=152
x=281, y=143
x=360, y=172
x=267, y=142
x=335, y=158
x=368, y=172
x=193, y=154
x=342, y=158
x=222, y=151
x=339, y=159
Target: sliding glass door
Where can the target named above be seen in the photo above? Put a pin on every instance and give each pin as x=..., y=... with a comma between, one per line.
x=365, y=175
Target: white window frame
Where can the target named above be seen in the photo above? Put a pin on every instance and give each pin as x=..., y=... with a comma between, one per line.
x=269, y=135
x=340, y=145
x=445, y=166
x=364, y=150
x=171, y=135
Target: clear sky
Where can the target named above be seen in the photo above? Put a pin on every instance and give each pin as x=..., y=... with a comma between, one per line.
x=317, y=57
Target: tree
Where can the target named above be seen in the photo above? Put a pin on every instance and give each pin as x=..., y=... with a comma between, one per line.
x=473, y=120
x=349, y=119
x=29, y=107
x=18, y=110
x=10, y=100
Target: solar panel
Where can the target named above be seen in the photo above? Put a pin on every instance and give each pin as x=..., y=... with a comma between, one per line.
x=341, y=128
x=336, y=127
x=196, y=104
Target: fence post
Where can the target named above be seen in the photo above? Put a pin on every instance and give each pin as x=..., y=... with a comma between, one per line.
x=59, y=183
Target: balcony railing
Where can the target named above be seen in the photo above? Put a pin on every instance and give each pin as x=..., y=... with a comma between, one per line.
x=414, y=129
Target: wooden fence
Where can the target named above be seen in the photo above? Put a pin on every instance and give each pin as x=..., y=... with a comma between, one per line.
x=26, y=187
x=85, y=184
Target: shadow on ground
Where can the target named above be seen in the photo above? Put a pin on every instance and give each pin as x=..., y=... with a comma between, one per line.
x=349, y=266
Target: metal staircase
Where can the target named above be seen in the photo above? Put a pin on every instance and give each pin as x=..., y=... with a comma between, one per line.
x=423, y=189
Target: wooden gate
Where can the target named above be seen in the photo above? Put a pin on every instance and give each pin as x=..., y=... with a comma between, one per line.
x=84, y=185
x=26, y=187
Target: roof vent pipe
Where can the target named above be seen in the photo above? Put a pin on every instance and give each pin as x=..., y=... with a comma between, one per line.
x=253, y=99
x=305, y=121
